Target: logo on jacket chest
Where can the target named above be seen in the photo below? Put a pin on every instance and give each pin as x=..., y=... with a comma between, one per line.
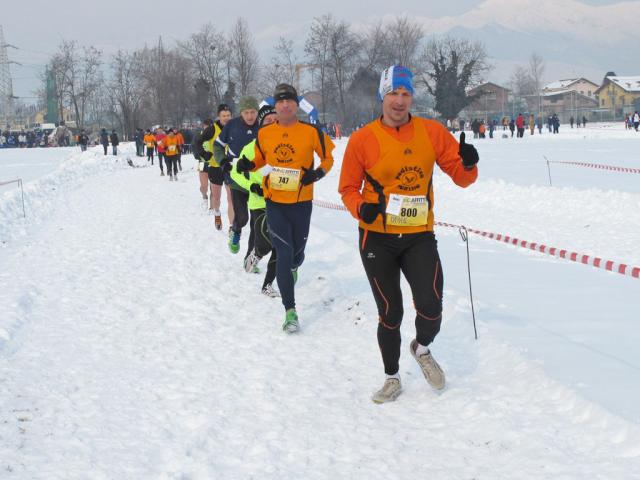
x=284, y=152
x=409, y=178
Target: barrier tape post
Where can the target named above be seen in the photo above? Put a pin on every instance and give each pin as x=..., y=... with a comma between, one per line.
x=24, y=213
x=465, y=238
x=548, y=170
x=19, y=182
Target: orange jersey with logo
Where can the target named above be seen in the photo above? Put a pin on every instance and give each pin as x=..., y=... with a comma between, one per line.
x=171, y=146
x=180, y=138
x=398, y=163
x=289, y=151
x=149, y=140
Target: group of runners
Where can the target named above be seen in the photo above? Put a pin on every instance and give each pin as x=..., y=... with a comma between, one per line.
x=264, y=160
x=167, y=143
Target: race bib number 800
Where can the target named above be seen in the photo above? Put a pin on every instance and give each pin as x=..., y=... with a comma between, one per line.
x=407, y=211
x=287, y=179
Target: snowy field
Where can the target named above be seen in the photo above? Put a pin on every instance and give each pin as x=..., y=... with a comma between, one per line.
x=133, y=345
x=31, y=163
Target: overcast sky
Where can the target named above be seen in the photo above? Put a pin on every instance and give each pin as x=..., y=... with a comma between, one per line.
x=37, y=27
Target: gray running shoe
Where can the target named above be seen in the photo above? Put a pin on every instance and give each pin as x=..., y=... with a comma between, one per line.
x=430, y=368
x=389, y=391
x=251, y=262
x=269, y=291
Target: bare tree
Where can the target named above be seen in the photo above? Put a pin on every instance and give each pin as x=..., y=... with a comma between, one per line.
x=244, y=57
x=126, y=90
x=403, y=37
x=78, y=77
x=282, y=68
x=452, y=66
x=521, y=82
x=536, y=70
x=317, y=48
x=344, y=50
x=208, y=51
x=374, y=47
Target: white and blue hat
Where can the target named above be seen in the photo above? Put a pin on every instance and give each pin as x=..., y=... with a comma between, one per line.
x=394, y=77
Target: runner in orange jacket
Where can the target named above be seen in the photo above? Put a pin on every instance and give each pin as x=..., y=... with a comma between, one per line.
x=180, y=140
x=287, y=148
x=172, y=153
x=150, y=143
x=386, y=182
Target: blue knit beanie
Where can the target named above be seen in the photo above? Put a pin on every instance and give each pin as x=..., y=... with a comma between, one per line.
x=394, y=77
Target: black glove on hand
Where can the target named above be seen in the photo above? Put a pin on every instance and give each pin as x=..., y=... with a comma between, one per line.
x=244, y=165
x=257, y=189
x=468, y=153
x=226, y=165
x=369, y=212
x=207, y=156
x=310, y=176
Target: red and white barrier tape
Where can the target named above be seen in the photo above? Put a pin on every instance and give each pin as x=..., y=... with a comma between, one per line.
x=597, y=262
x=600, y=166
x=10, y=182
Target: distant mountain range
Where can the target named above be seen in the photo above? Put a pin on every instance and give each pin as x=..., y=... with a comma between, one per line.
x=575, y=39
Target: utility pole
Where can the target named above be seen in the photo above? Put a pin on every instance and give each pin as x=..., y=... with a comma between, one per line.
x=6, y=86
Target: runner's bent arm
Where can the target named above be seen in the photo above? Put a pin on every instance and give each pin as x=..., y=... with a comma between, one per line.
x=447, y=156
x=352, y=175
x=258, y=157
x=326, y=157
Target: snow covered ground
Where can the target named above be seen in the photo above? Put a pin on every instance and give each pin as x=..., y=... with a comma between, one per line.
x=133, y=345
x=32, y=163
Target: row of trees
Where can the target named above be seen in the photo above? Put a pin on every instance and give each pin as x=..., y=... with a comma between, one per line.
x=184, y=82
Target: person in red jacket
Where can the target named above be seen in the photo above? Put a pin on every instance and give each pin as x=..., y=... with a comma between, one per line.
x=520, y=125
x=161, y=148
x=386, y=182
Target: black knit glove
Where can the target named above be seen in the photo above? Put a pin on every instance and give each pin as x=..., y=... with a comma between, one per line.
x=207, y=156
x=244, y=165
x=468, y=153
x=369, y=212
x=226, y=164
x=310, y=176
x=257, y=189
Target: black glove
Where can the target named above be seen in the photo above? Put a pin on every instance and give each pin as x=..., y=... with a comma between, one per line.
x=207, y=156
x=244, y=165
x=468, y=153
x=226, y=164
x=310, y=176
x=369, y=212
x=257, y=189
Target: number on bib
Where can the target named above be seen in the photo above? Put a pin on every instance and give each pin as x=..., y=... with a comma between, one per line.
x=286, y=179
x=407, y=211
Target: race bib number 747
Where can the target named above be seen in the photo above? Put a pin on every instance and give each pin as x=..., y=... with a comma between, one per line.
x=287, y=179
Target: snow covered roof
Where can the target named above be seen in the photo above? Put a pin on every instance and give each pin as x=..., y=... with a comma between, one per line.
x=566, y=83
x=560, y=84
x=630, y=84
x=564, y=92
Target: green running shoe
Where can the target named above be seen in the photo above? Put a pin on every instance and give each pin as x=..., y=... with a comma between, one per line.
x=290, y=324
x=234, y=241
